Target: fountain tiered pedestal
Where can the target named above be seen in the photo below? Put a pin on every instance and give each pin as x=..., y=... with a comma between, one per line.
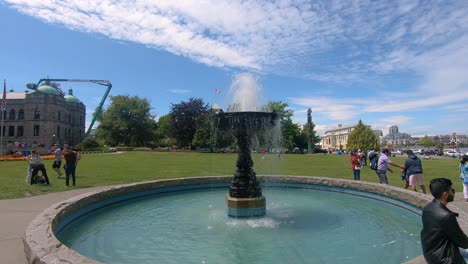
x=245, y=194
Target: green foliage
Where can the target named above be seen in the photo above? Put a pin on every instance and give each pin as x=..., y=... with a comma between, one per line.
x=427, y=142
x=184, y=120
x=203, y=132
x=280, y=108
x=90, y=143
x=162, y=132
x=362, y=137
x=127, y=122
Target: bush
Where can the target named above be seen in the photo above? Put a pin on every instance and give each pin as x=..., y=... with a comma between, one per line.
x=91, y=143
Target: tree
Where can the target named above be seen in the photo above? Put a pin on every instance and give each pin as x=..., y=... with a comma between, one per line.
x=289, y=130
x=427, y=142
x=184, y=120
x=362, y=137
x=163, y=137
x=127, y=121
x=203, y=132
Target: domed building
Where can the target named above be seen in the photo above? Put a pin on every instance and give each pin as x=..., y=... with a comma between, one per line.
x=394, y=137
x=43, y=117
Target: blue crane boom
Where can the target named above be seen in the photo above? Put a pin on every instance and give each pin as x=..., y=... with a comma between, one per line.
x=107, y=83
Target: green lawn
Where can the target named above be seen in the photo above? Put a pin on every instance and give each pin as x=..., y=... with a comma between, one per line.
x=108, y=169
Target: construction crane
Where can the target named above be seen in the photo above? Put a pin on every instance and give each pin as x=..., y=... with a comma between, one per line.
x=107, y=83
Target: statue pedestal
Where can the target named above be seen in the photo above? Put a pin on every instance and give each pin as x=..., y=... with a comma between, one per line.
x=246, y=207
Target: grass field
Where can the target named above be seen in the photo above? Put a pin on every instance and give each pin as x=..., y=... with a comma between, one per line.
x=109, y=169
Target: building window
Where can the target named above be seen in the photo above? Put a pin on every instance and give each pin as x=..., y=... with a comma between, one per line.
x=11, y=131
x=12, y=114
x=20, y=131
x=58, y=131
x=37, y=114
x=36, y=131
x=3, y=131
x=21, y=114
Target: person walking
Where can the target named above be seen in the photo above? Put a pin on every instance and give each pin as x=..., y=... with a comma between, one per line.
x=464, y=175
x=70, y=165
x=414, y=169
x=441, y=235
x=57, y=160
x=355, y=165
x=382, y=166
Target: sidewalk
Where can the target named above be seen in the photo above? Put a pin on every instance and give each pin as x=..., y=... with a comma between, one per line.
x=16, y=214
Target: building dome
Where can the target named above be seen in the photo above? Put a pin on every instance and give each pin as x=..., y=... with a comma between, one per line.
x=70, y=98
x=47, y=89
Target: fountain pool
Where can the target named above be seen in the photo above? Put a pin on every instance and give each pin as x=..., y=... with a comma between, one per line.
x=301, y=226
x=184, y=221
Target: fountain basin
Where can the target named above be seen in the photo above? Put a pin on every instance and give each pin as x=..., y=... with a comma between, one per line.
x=42, y=246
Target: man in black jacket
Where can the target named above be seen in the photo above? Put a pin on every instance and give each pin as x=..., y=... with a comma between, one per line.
x=441, y=236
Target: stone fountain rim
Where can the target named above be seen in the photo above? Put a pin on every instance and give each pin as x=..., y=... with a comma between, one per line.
x=42, y=246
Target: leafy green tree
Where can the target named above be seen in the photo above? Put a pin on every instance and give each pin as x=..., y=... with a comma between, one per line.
x=163, y=137
x=362, y=137
x=127, y=121
x=184, y=120
x=289, y=130
x=203, y=132
x=427, y=142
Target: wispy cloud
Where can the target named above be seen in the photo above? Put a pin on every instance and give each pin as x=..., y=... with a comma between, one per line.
x=328, y=41
x=180, y=91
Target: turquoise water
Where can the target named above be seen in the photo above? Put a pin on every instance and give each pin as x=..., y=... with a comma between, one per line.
x=301, y=226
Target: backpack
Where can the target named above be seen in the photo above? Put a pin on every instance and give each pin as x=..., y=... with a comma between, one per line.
x=374, y=163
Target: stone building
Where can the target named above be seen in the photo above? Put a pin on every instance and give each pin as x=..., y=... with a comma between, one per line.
x=41, y=118
x=337, y=137
x=395, y=138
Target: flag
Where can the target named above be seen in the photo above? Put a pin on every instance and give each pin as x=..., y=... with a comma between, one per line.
x=217, y=91
x=4, y=96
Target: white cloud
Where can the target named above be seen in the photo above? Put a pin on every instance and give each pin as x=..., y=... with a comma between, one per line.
x=332, y=42
x=180, y=91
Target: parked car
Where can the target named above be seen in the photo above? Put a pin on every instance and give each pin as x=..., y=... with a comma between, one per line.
x=451, y=153
x=419, y=151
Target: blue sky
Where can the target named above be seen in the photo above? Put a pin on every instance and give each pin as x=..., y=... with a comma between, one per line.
x=388, y=63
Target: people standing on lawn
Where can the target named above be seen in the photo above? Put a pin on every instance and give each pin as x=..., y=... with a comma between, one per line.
x=363, y=158
x=355, y=159
x=57, y=160
x=71, y=160
x=464, y=175
x=36, y=165
x=382, y=166
x=441, y=236
x=414, y=169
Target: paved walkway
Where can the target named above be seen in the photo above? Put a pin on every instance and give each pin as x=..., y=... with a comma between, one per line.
x=16, y=214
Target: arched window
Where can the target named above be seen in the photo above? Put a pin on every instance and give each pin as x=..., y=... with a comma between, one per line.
x=12, y=114
x=37, y=114
x=21, y=114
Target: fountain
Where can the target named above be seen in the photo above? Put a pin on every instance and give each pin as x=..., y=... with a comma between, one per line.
x=245, y=197
x=183, y=220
